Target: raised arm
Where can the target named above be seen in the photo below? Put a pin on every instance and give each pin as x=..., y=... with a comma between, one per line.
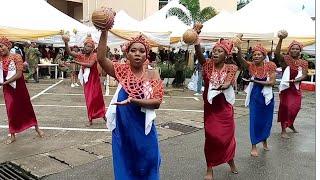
x=241, y=60
x=199, y=54
x=66, y=40
x=278, y=57
x=105, y=63
x=197, y=27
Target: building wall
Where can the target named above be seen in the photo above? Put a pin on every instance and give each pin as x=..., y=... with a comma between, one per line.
x=138, y=9
x=71, y=8
x=78, y=12
x=229, y=5
x=61, y=5
x=152, y=6
x=134, y=8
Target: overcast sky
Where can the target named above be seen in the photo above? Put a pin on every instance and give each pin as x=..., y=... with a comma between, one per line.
x=296, y=5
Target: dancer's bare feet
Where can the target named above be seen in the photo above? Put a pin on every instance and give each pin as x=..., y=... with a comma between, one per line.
x=265, y=145
x=293, y=129
x=254, y=151
x=10, y=139
x=233, y=167
x=40, y=133
x=284, y=135
x=209, y=174
x=89, y=124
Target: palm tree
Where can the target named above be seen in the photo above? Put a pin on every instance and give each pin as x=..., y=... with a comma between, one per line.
x=242, y=3
x=195, y=14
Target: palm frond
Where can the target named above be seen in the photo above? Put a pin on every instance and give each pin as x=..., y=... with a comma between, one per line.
x=193, y=6
x=206, y=14
x=180, y=14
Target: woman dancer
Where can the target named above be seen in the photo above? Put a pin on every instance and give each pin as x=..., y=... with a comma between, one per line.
x=20, y=112
x=219, y=97
x=259, y=96
x=295, y=70
x=89, y=78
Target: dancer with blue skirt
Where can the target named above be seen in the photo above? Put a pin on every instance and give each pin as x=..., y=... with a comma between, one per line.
x=130, y=116
x=260, y=97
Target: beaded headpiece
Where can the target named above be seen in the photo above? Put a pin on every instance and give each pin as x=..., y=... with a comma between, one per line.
x=137, y=39
x=295, y=43
x=89, y=40
x=6, y=42
x=260, y=48
x=227, y=45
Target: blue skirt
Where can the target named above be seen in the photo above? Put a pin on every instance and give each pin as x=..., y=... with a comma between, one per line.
x=261, y=115
x=136, y=156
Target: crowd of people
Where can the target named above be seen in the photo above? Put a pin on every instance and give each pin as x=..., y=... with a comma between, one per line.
x=140, y=91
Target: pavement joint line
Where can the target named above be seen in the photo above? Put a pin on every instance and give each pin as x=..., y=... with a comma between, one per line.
x=76, y=94
x=63, y=106
x=65, y=129
x=89, y=152
x=39, y=94
x=178, y=97
x=183, y=110
x=59, y=160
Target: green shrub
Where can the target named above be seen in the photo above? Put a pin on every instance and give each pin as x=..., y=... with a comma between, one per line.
x=188, y=72
x=167, y=72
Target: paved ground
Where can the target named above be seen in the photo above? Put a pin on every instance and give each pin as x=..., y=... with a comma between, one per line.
x=72, y=151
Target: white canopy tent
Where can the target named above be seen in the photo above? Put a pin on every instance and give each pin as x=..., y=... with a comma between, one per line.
x=299, y=6
x=156, y=22
x=260, y=22
x=176, y=26
x=124, y=21
x=159, y=21
x=274, y=15
x=126, y=27
x=260, y=19
x=311, y=49
x=36, y=15
x=228, y=25
x=38, y=20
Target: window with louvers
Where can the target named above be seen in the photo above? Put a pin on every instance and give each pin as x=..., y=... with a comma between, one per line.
x=162, y=3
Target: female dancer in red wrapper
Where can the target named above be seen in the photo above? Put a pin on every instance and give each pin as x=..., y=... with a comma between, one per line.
x=295, y=70
x=218, y=96
x=16, y=96
x=89, y=78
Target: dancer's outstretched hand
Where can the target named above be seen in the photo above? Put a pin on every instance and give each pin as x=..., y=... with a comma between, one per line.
x=65, y=38
x=217, y=88
x=247, y=80
x=124, y=102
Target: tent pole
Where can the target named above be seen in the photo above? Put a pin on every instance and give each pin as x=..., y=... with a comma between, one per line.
x=167, y=85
